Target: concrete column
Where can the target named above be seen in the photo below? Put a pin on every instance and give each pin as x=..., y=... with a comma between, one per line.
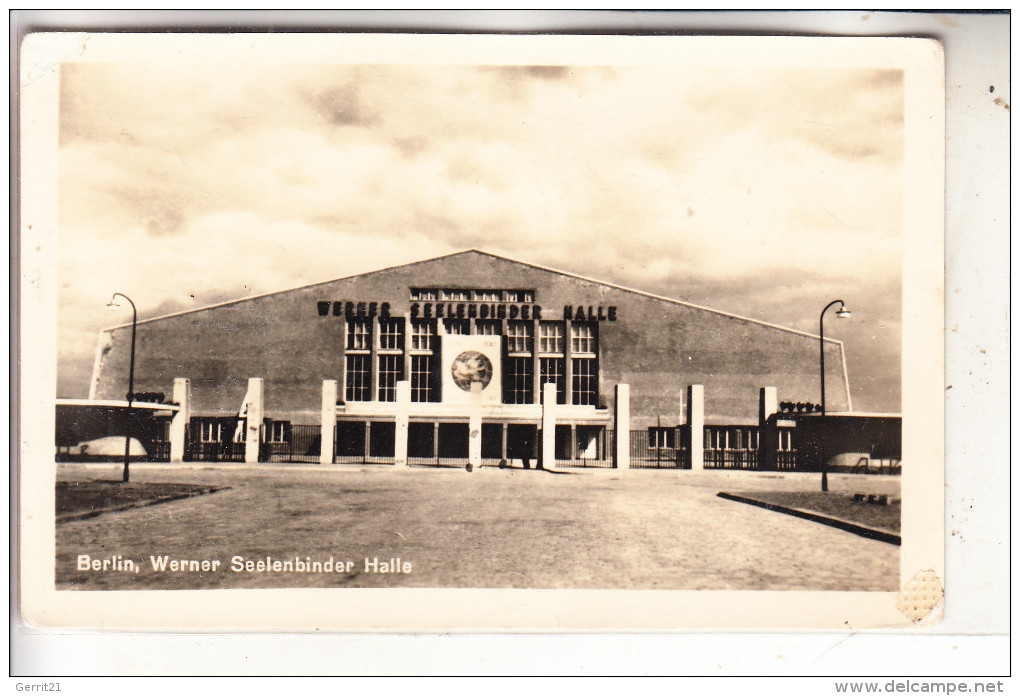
x=768, y=404
x=328, y=430
x=502, y=447
x=368, y=440
x=256, y=409
x=696, y=422
x=549, y=426
x=403, y=423
x=622, y=425
x=475, y=426
x=179, y=423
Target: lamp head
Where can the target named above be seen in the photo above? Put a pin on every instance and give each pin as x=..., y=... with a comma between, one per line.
x=113, y=304
x=843, y=313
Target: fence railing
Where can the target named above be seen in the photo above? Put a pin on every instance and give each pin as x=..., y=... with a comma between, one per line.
x=591, y=448
x=786, y=460
x=297, y=443
x=731, y=459
x=212, y=440
x=158, y=451
x=731, y=447
x=725, y=446
x=353, y=444
x=660, y=448
x=216, y=451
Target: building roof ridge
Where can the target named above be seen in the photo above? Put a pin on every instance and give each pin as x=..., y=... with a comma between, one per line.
x=548, y=269
x=294, y=289
x=662, y=298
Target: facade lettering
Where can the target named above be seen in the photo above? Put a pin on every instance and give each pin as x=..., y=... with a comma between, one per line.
x=466, y=310
x=350, y=310
x=589, y=313
x=470, y=310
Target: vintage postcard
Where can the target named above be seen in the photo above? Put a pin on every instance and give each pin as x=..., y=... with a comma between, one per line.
x=436, y=332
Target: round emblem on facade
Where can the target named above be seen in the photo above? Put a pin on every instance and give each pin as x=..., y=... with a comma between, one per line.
x=471, y=366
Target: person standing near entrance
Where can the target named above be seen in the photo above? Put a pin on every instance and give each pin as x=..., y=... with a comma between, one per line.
x=520, y=447
x=527, y=445
x=521, y=444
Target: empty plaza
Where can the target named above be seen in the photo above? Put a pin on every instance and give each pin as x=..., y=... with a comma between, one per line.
x=265, y=527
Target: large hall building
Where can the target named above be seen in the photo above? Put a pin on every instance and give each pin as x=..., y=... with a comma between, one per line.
x=466, y=335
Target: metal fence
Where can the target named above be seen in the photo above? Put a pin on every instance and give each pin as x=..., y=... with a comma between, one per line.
x=216, y=451
x=590, y=447
x=660, y=448
x=158, y=451
x=356, y=443
x=425, y=452
x=438, y=444
x=423, y=458
x=296, y=443
x=786, y=460
x=725, y=446
x=731, y=447
x=447, y=445
x=213, y=440
x=448, y=462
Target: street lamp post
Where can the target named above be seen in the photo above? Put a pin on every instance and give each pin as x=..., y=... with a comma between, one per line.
x=112, y=304
x=841, y=313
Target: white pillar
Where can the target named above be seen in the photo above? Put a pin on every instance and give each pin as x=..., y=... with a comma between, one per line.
x=549, y=426
x=696, y=422
x=768, y=404
x=475, y=426
x=621, y=457
x=328, y=430
x=179, y=424
x=256, y=409
x=403, y=422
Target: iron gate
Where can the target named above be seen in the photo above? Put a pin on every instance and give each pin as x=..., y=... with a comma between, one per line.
x=660, y=448
x=283, y=442
x=584, y=446
x=731, y=447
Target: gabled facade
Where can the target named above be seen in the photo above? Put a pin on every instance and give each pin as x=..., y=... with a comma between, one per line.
x=443, y=323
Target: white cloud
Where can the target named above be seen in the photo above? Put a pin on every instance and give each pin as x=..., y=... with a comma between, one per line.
x=207, y=179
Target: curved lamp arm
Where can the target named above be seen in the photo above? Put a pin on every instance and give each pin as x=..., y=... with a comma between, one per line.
x=841, y=312
x=134, y=324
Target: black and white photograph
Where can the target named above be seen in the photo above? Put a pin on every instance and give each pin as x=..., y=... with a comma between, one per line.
x=492, y=313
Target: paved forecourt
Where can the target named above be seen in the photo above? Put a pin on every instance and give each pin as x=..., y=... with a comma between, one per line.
x=376, y=527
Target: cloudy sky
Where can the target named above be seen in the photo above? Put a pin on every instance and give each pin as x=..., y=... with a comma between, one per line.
x=762, y=192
